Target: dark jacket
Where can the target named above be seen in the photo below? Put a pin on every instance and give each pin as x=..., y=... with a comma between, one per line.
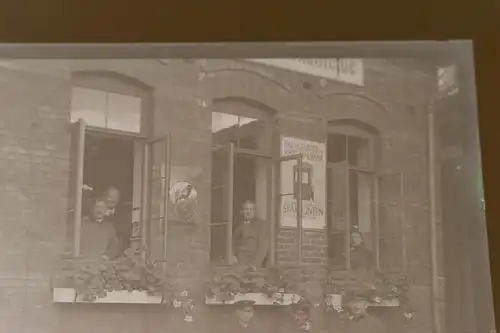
x=98, y=238
x=361, y=259
x=251, y=242
x=122, y=222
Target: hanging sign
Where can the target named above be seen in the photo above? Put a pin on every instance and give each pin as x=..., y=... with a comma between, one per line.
x=343, y=70
x=313, y=183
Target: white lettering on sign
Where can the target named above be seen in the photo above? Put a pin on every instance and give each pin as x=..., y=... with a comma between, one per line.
x=343, y=70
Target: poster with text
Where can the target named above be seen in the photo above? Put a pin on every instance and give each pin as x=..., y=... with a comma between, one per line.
x=313, y=183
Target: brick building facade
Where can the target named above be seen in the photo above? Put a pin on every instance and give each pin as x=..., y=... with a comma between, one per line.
x=180, y=95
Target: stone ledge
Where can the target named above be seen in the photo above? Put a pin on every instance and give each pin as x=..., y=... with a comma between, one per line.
x=259, y=299
x=69, y=295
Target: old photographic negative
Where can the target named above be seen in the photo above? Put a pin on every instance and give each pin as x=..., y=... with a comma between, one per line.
x=243, y=192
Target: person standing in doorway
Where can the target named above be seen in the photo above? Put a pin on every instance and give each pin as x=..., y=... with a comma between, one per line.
x=250, y=238
x=120, y=217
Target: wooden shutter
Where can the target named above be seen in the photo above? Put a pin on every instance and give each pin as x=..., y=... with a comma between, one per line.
x=338, y=215
x=158, y=178
x=391, y=230
x=75, y=195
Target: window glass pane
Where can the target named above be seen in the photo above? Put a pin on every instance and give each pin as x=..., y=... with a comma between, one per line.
x=391, y=222
x=222, y=121
x=362, y=241
x=250, y=135
x=89, y=105
x=337, y=216
x=336, y=148
x=358, y=152
x=124, y=113
x=220, y=188
x=224, y=128
x=244, y=120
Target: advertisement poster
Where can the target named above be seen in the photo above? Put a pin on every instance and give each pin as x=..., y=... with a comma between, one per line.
x=313, y=183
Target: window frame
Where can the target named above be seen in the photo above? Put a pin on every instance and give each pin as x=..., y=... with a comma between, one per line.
x=372, y=169
x=116, y=83
x=107, y=82
x=225, y=106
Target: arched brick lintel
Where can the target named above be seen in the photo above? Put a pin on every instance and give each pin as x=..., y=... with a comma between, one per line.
x=251, y=87
x=340, y=106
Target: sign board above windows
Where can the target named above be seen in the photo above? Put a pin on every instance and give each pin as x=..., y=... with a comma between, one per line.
x=107, y=110
x=343, y=70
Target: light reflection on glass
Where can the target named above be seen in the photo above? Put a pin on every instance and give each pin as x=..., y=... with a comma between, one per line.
x=106, y=110
x=89, y=105
x=124, y=113
x=222, y=121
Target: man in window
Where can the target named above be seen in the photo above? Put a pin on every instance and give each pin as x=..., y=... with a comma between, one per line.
x=98, y=236
x=250, y=239
x=119, y=217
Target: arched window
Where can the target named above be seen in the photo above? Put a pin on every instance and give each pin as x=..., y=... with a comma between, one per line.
x=365, y=210
x=110, y=123
x=109, y=101
x=241, y=168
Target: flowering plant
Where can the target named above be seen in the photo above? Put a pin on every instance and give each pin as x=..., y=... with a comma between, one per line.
x=226, y=282
x=93, y=280
x=376, y=290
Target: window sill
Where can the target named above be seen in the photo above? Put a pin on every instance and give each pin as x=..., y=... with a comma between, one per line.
x=336, y=300
x=69, y=295
x=278, y=299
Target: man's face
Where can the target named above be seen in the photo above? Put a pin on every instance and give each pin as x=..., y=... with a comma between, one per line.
x=248, y=211
x=245, y=314
x=300, y=317
x=358, y=307
x=112, y=198
x=100, y=209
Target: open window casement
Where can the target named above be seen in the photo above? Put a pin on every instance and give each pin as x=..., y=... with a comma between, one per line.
x=76, y=195
x=157, y=169
x=222, y=214
x=292, y=183
x=339, y=223
x=391, y=225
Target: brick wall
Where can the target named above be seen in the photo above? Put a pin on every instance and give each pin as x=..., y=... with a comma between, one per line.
x=34, y=152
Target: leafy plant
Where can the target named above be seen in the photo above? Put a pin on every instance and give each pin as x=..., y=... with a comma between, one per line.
x=226, y=283
x=93, y=280
x=375, y=290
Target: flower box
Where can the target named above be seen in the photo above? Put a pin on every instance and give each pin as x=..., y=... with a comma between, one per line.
x=277, y=299
x=336, y=300
x=69, y=295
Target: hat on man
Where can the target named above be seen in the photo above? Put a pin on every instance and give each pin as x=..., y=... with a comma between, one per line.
x=244, y=303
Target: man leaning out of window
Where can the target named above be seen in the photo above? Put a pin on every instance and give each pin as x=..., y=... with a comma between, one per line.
x=98, y=236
